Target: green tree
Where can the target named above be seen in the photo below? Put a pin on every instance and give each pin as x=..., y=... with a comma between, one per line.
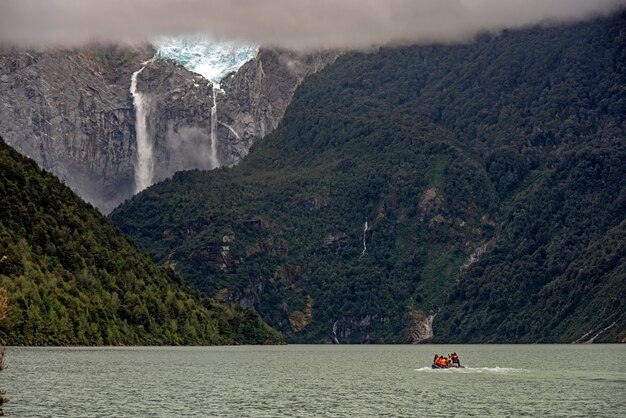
x=74, y=279
x=4, y=307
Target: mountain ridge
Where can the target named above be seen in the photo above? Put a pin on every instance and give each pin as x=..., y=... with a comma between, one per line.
x=398, y=183
x=73, y=279
x=72, y=111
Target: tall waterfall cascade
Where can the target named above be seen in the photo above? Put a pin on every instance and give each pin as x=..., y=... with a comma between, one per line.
x=144, y=168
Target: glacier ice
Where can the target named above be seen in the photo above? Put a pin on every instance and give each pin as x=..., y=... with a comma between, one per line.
x=210, y=58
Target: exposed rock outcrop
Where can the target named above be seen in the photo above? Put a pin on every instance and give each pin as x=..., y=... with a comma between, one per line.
x=178, y=118
x=421, y=329
x=357, y=329
x=300, y=320
x=255, y=98
x=476, y=255
x=335, y=242
x=72, y=111
x=431, y=201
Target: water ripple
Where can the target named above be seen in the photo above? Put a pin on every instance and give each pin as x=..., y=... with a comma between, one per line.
x=313, y=381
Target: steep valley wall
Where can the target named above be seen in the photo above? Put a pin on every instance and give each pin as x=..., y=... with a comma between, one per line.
x=72, y=111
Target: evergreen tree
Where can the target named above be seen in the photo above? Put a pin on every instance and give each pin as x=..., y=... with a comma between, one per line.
x=4, y=306
x=490, y=175
x=74, y=279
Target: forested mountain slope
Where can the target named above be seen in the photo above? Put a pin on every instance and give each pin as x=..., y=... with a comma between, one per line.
x=475, y=191
x=73, y=278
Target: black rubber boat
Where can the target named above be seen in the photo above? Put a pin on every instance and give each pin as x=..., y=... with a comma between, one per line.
x=452, y=366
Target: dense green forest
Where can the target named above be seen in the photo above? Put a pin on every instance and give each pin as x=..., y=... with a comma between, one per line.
x=4, y=307
x=73, y=279
x=480, y=183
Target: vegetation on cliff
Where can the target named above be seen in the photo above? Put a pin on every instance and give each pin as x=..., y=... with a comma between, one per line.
x=483, y=182
x=74, y=279
x=4, y=307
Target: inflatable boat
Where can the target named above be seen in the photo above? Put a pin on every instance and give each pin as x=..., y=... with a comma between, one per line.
x=452, y=366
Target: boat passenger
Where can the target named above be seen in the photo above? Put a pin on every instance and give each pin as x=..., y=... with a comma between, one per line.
x=442, y=362
x=455, y=359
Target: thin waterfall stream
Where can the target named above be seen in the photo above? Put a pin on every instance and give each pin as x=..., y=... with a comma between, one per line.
x=214, y=157
x=365, y=228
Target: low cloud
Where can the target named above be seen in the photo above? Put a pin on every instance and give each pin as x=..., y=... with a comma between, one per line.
x=297, y=24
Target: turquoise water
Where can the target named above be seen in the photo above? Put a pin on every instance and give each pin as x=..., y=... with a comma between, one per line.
x=316, y=381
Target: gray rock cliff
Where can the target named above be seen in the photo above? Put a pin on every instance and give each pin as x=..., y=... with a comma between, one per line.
x=72, y=111
x=178, y=111
x=254, y=99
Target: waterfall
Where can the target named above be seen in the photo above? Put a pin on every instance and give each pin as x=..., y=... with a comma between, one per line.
x=145, y=163
x=334, y=334
x=365, y=228
x=213, y=156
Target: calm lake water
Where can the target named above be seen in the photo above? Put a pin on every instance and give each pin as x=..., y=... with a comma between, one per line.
x=316, y=381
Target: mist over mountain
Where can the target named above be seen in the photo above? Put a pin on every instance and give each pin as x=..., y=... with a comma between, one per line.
x=305, y=24
x=467, y=193
x=413, y=176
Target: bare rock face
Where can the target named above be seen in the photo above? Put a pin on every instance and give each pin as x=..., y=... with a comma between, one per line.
x=357, y=329
x=254, y=99
x=178, y=111
x=421, y=330
x=71, y=112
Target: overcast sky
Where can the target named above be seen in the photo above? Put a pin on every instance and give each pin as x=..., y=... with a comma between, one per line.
x=287, y=23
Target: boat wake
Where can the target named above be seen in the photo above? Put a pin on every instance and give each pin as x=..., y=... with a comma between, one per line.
x=496, y=369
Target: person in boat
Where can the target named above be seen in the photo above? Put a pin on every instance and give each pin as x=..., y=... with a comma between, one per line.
x=455, y=360
x=436, y=359
x=442, y=362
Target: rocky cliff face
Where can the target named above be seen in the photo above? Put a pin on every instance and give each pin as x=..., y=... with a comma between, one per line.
x=421, y=329
x=195, y=124
x=177, y=108
x=254, y=99
x=73, y=113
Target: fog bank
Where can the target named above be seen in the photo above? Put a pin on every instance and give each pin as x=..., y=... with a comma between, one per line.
x=295, y=24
